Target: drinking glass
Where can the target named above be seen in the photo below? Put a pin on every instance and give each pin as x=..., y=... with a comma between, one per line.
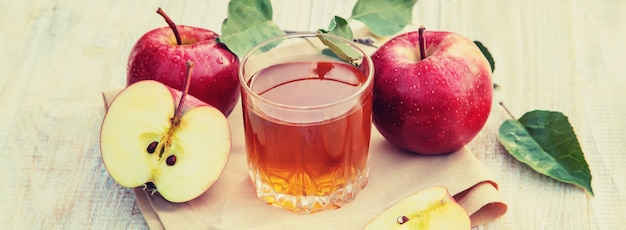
x=307, y=120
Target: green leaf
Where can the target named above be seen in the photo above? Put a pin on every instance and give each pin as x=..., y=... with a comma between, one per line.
x=330, y=53
x=248, y=23
x=384, y=18
x=545, y=141
x=487, y=54
x=341, y=48
x=339, y=26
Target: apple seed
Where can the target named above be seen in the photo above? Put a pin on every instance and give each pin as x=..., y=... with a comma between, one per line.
x=152, y=146
x=171, y=160
x=402, y=219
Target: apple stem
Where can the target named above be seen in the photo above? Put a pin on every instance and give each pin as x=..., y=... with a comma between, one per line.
x=422, y=42
x=185, y=91
x=165, y=142
x=171, y=24
x=507, y=110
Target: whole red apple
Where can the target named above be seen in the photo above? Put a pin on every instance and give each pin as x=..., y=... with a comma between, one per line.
x=432, y=91
x=157, y=55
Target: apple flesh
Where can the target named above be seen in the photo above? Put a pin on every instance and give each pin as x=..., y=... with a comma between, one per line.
x=433, y=102
x=432, y=208
x=142, y=146
x=157, y=56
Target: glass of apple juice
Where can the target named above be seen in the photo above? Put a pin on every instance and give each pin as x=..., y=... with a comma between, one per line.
x=307, y=120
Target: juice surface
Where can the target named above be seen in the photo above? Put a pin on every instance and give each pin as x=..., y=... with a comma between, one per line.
x=306, y=83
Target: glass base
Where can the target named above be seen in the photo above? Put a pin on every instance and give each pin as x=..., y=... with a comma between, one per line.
x=310, y=204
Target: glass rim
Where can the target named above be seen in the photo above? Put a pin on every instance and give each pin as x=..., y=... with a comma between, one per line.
x=368, y=81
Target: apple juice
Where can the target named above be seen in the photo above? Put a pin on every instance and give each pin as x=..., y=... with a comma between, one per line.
x=313, y=159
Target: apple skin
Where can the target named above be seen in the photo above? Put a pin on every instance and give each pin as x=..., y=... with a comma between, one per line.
x=435, y=105
x=156, y=56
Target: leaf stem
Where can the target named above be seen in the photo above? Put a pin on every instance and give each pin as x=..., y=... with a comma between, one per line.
x=367, y=41
x=171, y=24
x=507, y=110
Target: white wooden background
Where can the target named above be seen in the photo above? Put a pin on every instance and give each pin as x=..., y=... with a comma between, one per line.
x=57, y=56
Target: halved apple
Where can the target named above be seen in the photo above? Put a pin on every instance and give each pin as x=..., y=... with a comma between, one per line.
x=431, y=208
x=145, y=143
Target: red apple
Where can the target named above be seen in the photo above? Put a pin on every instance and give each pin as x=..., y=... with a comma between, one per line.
x=432, y=101
x=160, y=55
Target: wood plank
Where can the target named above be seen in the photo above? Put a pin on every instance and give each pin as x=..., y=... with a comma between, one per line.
x=58, y=56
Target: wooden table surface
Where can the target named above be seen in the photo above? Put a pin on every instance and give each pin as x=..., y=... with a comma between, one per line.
x=57, y=56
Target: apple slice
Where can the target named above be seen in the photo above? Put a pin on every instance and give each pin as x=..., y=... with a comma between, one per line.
x=432, y=208
x=144, y=143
